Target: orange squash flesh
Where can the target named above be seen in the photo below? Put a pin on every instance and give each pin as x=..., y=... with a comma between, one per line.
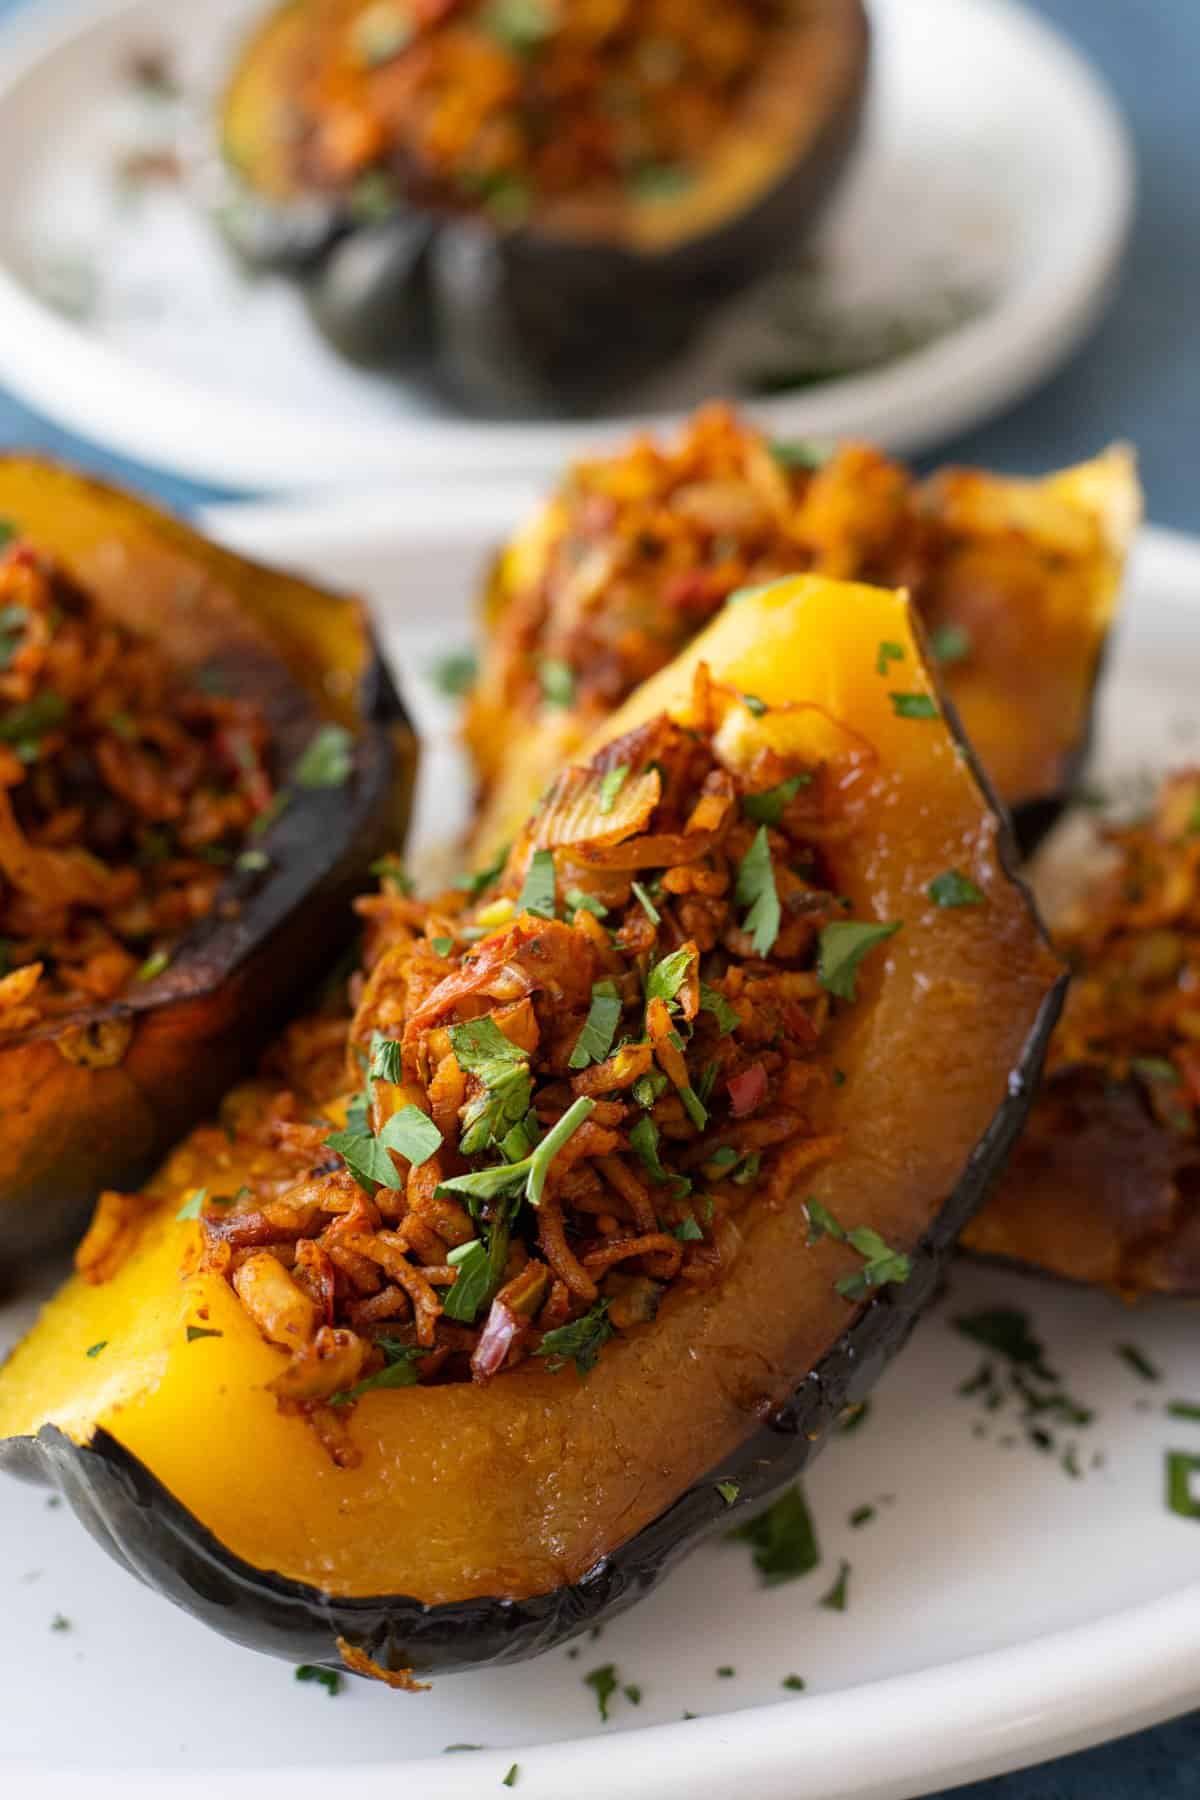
x=519, y=1488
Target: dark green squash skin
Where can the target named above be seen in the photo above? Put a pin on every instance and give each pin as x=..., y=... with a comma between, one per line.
x=272, y=935
x=132, y=1515
x=512, y=321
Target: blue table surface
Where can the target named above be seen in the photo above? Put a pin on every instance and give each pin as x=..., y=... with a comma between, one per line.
x=1138, y=377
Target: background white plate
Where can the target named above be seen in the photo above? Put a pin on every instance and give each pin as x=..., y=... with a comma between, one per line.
x=1000, y=1611
x=994, y=163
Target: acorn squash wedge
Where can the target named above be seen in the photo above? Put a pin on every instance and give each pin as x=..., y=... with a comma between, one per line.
x=1104, y=1186
x=92, y=1098
x=477, y=190
x=483, y=1520
x=1017, y=582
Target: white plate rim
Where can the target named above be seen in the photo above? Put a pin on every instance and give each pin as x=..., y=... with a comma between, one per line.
x=963, y=377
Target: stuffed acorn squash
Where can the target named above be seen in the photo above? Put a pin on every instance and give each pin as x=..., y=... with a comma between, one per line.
x=642, y=1162
x=535, y=197
x=198, y=761
x=1104, y=1186
x=1016, y=581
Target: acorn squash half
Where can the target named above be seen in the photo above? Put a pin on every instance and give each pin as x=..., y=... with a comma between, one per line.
x=551, y=305
x=93, y=1099
x=1017, y=582
x=484, y=1523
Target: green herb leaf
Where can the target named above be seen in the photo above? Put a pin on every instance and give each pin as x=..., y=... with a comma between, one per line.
x=689, y=1232
x=557, y=681
x=644, y=901
x=837, y=1597
x=456, y=673
x=1154, y=1068
x=473, y=1288
x=888, y=654
x=1006, y=1330
x=801, y=453
x=611, y=784
x=599, y=1028
x=442, y=945
x=668, y=976
x=195, y=1332
x=821, y=1223
x=537, y=895
x=862, y=1515
x=581, y=1341
x=726, y=1672
x=481, y=1048
x=784, y=1539
x=632, y=1693
x=191, y=1206
x=882, y=1266
x=1175, y=1409
x=26, y=724
x=413, y=1134
x=793, y=1683
x=603, y=1683
x=1139, y=1362
x=531, y=1171
x=643, y=1139
x=252, y=862
x=1182, y=1496
x=329, y=1679
x=842, y=947
x=952, y=888
x=756, y=890
x=913, y=706
x=93, y=1350
x=328, y=759
x=391, y=869
x=386, y=1064
x=728, y=1490
x=576, y=900
x=854, y=1418
x=60, y=1622
x=8, y=531
x=747, y=1170
x=754, y=705
x=769, y=806
x=510, y=1780
x=951, y=644
x=153, y=966
x=397, y=1372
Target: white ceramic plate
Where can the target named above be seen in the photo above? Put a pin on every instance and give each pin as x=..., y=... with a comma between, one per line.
x=1000, y=1611
x=994, y=189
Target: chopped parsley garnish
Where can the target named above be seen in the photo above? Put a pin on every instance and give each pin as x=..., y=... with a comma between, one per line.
x=252, y=862
x=1183, y=1494
x=480, y=1269
x=385, y=1059
x=604, y=1684
x=537, y=895
x=644, y=901
x=510, y=1780
x=726, y=1671
x=328, y=760
x=800, y=453
x=611, y=784
x=668, y=976
x=835, y=1600
x=1139, y=1362
x=391, y=869
x=191, y=1206
x=632, y=1693
x=862, y=1515
x=888, y=654
x=1006, y=1330
x=951, y=644
x=482, y=1049
x=756, y=890
x=154, y=965
x=329, y=1679
x=747, y=1170
x=728, y=1490
x=793, y=1683
x=689, y=1232
x=531, y=1171
x=854, y=1417
x=913, y=706
x=754, y=705
x=410, y=1132
x=397, y=1371
x=952, y=888
x=8, y=531
x=24, y=725
x=643, y=1139
x=1154, y=1068
x=577, y=901
x=784, y=1539
x=1183, y=1409
x=456, y=673
x=769, y=806
x=60, y=1622
x=520, y=25
x=724, y=1156
x=599, y=1028
x=556, y=681
x=413, y=1134
x=93, y=1350
x=881, y=1264
x=483, y=878
x=842, y=947
x=195, y=1332
x=442, y=945
x=581, y=1341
